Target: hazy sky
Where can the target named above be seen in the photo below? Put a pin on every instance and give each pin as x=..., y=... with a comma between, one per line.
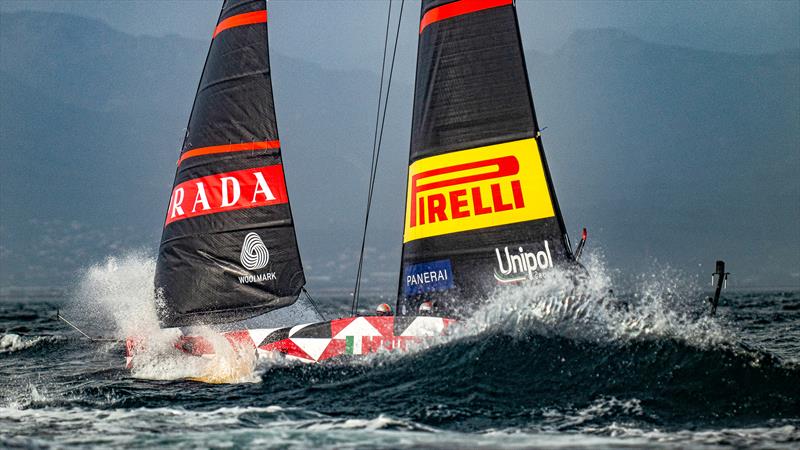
x=347, y=34
x=641, y=100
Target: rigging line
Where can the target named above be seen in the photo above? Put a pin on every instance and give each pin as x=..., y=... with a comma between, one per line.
x=380, y=139
x=64, y=319
x=385, y=104
x=313, y=303
x=357, y=288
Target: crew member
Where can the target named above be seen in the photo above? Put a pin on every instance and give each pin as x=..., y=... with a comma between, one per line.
x=383, y=310
x=425, y=308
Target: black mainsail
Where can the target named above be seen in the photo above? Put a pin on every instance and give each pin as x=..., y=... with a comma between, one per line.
x=481, y=209
x=228, y=249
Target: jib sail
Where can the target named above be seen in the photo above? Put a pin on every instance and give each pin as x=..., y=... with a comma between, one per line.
x=480, y=209
x=228, y=249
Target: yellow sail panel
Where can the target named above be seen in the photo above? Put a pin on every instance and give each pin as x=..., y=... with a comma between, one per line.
x=476, y=188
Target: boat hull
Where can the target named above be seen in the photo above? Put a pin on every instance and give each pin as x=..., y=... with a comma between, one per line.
x=318, y=341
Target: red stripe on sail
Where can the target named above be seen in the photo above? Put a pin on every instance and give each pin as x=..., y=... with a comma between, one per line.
x=458, y=8
x=229, y=191
x=241, y=19
x=228, y=148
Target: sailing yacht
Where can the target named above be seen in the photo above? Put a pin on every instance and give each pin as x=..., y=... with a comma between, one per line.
x=480, y=211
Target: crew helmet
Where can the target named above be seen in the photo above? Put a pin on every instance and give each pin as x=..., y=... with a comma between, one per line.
x=384, y=310
x=426, y=308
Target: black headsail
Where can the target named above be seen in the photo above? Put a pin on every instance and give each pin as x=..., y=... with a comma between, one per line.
x=228, y=249
x=481, y=209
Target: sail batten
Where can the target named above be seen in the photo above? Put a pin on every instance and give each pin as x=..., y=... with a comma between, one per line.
x=480, y=205
x=228, y=250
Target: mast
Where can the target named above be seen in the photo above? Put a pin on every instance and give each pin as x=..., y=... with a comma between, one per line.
x=481, y=209
x=228, y=249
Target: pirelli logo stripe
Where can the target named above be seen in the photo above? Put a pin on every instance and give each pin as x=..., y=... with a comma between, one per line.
x=476, y=188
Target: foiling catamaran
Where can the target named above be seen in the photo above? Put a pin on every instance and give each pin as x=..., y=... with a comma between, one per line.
x=481, y=209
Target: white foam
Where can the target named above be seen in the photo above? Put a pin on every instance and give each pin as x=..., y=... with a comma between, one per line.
x=765, y=437
x=24, y=396
x=158, y=359
x=122, y=288
x=296, y=428
x=119, y=294
x=608, y=407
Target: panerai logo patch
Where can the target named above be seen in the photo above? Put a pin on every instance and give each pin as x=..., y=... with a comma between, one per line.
x=428, y=277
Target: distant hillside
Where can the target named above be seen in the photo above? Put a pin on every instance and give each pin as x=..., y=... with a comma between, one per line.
x=663, y=152
x=676, y=154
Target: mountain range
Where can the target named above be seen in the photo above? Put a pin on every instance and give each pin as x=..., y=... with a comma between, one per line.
x=670, y=156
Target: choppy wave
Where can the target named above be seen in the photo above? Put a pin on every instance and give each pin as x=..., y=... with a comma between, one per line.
x=14, y=343
x=546, y=365
x=278, y=427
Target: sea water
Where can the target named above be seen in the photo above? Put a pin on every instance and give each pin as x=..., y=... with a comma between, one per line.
x=532, y=368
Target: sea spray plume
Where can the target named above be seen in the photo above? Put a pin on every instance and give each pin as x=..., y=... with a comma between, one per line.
x=560, y=303
x=586, y=309
x=117, y=298
x=658, y=308
x=665, y=304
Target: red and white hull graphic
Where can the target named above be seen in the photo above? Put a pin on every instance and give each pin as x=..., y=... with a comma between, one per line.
x=316, y=342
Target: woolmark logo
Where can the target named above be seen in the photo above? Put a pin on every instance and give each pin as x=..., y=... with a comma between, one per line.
x=520, y=265
x=255, y=254
x=476, y=188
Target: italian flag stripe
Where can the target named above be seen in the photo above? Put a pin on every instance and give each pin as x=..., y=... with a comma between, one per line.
x=350, y=344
